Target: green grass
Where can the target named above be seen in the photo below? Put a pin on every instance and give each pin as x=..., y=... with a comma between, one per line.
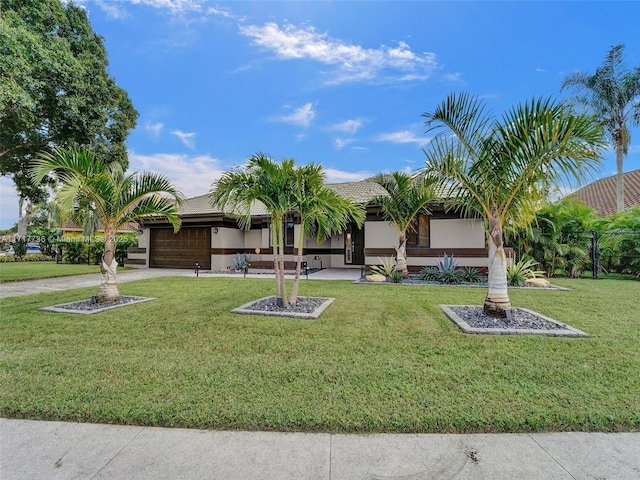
x=382, y=358
x=15, y=271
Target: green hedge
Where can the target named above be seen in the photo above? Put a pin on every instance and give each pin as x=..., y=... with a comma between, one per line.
x=31, y=257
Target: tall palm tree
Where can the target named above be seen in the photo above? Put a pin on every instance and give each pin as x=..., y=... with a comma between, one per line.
x=407, y=196
x=322, y=213
x=263, y=180
x=613, y=94
x=90, y=187
x=503, y=169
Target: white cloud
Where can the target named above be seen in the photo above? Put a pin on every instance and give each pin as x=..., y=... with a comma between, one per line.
x=153, y=128
x=300, y=117
x=188, y=139
x=338, y=176
x=113, y=9
x=452, y=78
x=174, y=6
x=348, y=126
x=340, y=143
x=403, y=136
x=351, y=62
x=540, y=70
x=193, y=175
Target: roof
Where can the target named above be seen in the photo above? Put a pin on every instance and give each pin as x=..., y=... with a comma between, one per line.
x=601, y=194
x=359, y=192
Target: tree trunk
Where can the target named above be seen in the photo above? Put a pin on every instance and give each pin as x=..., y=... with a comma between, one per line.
x=23, y=220
x=109, y=288
x=293, y=298
x=401, y=256
x=497, y=302
x=619, y=179
x=278, y=259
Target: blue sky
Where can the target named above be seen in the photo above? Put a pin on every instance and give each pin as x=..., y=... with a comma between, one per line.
x=339, y=83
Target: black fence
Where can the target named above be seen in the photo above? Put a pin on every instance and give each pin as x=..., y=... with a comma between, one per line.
x=610, y=254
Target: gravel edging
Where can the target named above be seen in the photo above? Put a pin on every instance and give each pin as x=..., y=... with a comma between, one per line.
x=471, y=319
x=89, y=307
x=309, y=308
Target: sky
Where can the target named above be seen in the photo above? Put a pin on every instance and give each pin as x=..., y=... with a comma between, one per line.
x=342, y=84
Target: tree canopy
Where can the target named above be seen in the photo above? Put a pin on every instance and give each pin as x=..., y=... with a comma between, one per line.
x=91, y=188
x=502, y=169
x=55, y=89
x=612, y=93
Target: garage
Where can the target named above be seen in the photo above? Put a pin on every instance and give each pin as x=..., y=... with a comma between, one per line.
x=180, y=249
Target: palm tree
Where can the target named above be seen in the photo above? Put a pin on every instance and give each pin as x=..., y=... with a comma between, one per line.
x=407, y=196
x=90, y=187
x=503, y=169
x=283, y=189
x=322, y=212
x=613, y=94
x=266, y=181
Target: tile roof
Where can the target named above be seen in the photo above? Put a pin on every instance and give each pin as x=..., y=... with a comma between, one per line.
x=601, y=194
x=359, y=192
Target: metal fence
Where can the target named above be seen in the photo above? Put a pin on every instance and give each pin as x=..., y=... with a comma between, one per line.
x=610, y=254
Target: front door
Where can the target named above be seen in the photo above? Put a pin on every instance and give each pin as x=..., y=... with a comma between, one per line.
x=354, y=245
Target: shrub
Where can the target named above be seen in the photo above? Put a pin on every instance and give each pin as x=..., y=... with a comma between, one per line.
x=519, y=272
x=395, y=277
x=19, y=246
x=73, y=252
x=387, y=266
x=470, y=275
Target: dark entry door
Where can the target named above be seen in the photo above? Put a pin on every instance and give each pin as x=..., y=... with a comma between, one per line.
x=357, y=245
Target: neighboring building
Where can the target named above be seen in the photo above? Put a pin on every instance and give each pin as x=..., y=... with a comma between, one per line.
x=212, y=238
x=71, y=230
x=601, y=194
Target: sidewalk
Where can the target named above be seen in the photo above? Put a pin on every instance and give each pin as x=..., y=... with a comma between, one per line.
x=57, y=450
x=14, y=289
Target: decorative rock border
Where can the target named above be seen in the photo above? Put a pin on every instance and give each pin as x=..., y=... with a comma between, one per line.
x=77, y=307
x=247, y=309
x=564, y=330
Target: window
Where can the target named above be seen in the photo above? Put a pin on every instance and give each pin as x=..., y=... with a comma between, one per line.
x=288, y=234
x=418, y=232
x=288, y=237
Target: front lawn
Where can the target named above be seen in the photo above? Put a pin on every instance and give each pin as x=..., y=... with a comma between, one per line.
x=382, y=358
x=15, y=271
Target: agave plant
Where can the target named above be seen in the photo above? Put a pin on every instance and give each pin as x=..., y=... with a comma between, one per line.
x=470, y=275
x=429, y=274
x=519, y=272
x=446, y=271
x=241, y=260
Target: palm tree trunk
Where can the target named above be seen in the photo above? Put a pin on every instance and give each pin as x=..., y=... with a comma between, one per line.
x=278, y=260
x=293, y=298
x=497, y=302
x=108, y=291
x=401, y=256
x=619, y=178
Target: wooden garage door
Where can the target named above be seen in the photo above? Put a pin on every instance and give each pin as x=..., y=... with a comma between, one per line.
x=182, y=249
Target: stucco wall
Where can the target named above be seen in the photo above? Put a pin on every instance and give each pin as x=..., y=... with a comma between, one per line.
x=457, y=233
x=380, y=235
x=253, y=239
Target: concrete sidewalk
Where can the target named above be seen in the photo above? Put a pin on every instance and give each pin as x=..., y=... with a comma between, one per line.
x=15, y=289
x=58, y=450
